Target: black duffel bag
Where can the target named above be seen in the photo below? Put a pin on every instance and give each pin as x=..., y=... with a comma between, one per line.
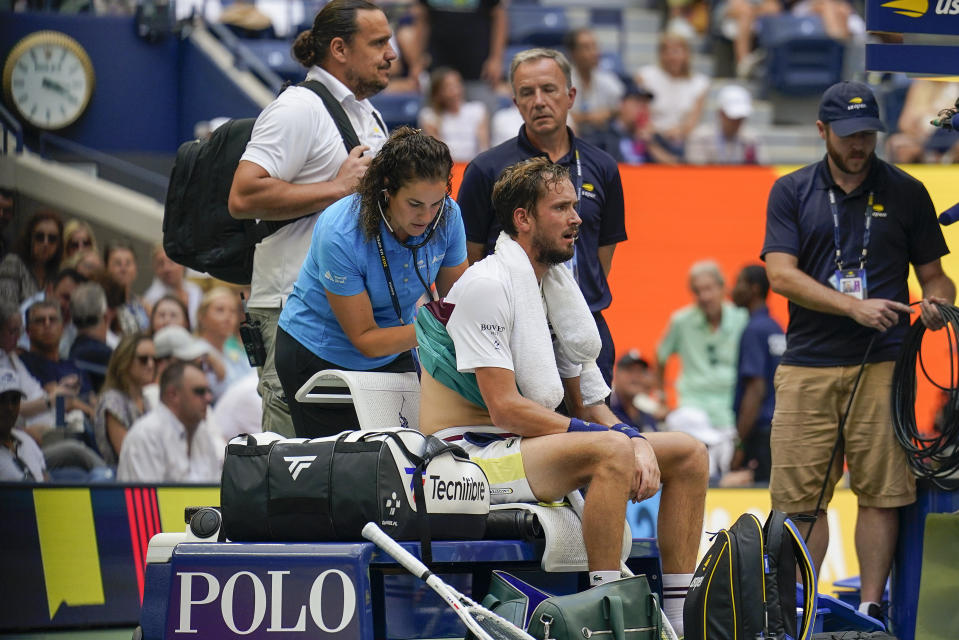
x=326, y=489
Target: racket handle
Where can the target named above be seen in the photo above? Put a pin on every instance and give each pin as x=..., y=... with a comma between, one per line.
x=380, y=538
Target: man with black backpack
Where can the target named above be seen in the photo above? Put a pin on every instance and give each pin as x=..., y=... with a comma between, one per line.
x=296, y=164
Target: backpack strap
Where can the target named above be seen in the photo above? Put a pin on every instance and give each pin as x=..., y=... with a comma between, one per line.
x=343, y=125
x=809, y=579
x=342, y=121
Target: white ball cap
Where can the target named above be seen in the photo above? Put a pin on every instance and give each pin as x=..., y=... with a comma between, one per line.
x=735, y=101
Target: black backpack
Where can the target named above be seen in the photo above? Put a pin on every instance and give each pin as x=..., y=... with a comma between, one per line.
x=745, y=585
x=198, y=230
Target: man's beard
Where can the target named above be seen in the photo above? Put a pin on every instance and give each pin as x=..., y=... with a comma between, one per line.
x=842, y=166
x=551, y=255
x=364, y=87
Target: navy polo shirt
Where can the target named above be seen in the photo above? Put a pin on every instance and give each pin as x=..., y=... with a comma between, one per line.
x=904, y=230
x=760, y=349
x=601, y=207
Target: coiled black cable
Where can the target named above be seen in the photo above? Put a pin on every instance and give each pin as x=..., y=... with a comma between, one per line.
x=933, y=456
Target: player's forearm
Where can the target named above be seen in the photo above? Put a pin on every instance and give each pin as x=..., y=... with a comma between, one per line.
x=275, y=199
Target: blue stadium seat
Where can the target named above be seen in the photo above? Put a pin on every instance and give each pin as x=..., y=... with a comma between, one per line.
x=800, y=58
x=612, y=62
x=276, y=55
x=537, y=26
x=398, y=109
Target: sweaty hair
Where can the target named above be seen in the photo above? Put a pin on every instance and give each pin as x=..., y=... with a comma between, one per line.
x=336, y=20
x=521, y=185
x=408, y=155
x=755, y=274
x=532, y=55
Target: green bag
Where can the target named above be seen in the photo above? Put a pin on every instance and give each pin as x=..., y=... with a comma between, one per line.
x=622, y=610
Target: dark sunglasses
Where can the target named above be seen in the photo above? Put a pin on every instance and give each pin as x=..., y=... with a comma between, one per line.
x=50, y=238
x=76, y=244
x=201, y=391
x=146, y=359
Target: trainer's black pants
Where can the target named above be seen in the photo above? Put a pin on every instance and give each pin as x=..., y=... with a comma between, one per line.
x=295, y=364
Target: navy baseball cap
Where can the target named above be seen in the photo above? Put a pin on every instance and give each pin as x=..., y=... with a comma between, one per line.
x=850, y=107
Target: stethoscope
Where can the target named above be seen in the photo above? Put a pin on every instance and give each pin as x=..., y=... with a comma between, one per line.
x=430, y=230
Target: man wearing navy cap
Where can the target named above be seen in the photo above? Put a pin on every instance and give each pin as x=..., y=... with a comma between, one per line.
x=840, y=236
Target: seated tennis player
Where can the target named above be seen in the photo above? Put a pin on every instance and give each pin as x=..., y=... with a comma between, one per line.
x=512, y=340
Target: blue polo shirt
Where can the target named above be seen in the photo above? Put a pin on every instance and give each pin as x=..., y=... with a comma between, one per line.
x=760, y=350
x=601, y=207
x=904, y=230
x=342, y=261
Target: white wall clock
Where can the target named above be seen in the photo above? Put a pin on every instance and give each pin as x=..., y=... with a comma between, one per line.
x=48, y=79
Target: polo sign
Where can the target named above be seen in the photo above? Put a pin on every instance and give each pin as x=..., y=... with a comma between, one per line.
x=213, y=602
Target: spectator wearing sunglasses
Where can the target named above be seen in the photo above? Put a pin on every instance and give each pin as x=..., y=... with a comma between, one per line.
x=175, y=442
x=77, y=236
x=35, y=261
x=20, y=457
x=131, y=368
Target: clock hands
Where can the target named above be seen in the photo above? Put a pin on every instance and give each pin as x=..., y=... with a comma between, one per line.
x=53, y=85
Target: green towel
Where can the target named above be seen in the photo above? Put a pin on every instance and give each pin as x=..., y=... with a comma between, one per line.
x=438, y=357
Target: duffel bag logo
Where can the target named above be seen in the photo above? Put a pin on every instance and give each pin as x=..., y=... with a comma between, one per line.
x=393, y=503
x=298, y=464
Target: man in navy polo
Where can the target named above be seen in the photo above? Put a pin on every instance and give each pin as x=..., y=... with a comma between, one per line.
x=543, y=93
x=840, y=236
x=760, y=349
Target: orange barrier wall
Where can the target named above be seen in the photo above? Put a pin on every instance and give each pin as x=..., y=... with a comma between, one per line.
x=678, y=215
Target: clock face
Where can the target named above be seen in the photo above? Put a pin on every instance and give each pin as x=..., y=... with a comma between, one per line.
x=48, y=79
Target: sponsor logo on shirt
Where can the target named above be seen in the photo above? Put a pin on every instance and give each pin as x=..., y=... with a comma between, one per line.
x=879, y=211
x=588, y=186
x=492, y=328
x=438, y=258
x=334, y=279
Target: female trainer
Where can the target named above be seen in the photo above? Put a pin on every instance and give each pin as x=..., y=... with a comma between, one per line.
x=373, y=255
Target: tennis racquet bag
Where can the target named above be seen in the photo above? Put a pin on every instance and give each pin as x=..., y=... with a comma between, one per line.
x=745, y=585
x=325, y=489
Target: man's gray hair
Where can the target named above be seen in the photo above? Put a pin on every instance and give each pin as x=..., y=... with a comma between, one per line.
x=88, y=304
x=531, y=55
x=706, y=268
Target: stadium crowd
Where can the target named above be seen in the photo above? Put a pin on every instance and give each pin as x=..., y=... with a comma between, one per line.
x=102, y=380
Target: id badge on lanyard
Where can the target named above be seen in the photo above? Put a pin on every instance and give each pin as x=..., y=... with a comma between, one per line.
x=849, y=281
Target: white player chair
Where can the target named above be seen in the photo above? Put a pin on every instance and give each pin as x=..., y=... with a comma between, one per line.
x=380, y=399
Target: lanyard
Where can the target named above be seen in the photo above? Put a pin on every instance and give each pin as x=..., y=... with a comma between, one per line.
x=865, y=233
x=389, y=278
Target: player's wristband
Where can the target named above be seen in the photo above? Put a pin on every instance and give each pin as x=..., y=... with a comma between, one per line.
x=575, y=424
x=632, y=432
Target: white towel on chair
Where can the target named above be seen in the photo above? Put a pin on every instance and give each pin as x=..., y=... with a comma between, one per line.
x=572, y=323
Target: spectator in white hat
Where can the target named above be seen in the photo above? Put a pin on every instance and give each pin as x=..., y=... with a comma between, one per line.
x=175, y=344
x=726, y=140
x=20, y=457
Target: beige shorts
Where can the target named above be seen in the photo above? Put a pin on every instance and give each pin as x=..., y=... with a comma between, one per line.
x=500, y=460
x=810, y=402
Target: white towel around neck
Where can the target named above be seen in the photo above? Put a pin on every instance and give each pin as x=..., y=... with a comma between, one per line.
x=533, y=359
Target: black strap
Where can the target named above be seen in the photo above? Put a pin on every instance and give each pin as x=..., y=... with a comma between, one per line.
x=340, y=119
x=389, y=278
x=422, y=517
x=343, y=124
